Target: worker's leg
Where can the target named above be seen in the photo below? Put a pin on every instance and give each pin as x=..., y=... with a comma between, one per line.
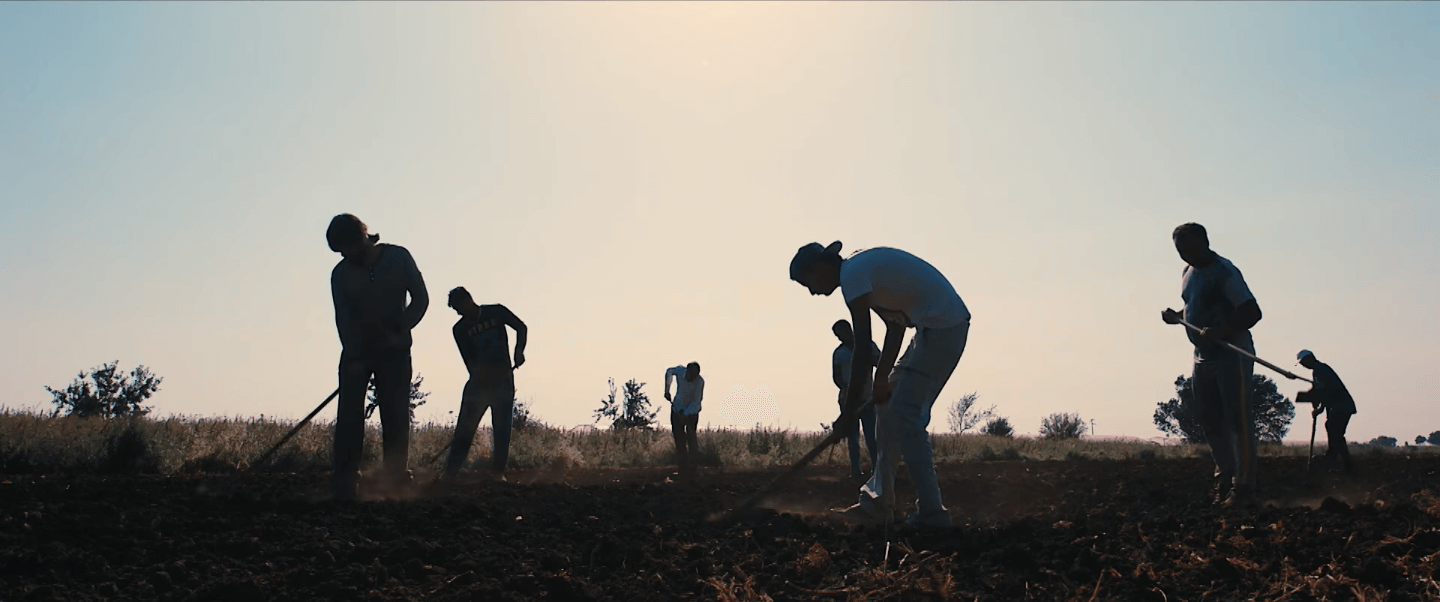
x=502, y=413
x=677, y=428
x=692, y=436
x=354, y=375
x=852, y=439
x=392, y=395
x=922, y=374
x=472, y=408
x=867, y=424
x=1335, y=427
x=1208, y=407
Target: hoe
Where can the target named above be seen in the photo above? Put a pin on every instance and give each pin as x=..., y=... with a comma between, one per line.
x=293, y=431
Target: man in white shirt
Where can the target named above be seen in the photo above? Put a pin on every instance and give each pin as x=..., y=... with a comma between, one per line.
x=840, y=366
x=1218, y=302
x=685, y=413
x=906, y=292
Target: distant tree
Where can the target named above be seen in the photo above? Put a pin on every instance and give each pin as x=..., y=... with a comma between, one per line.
x=1175, y=418
x=631, y=412
x=1270, y=411
x=1383, y=441
x=1420, y=440
x=1434, y=438
x=417, y=397
x=1062, y=426
x=963, y=414
x=998, y=427
x=106, y=392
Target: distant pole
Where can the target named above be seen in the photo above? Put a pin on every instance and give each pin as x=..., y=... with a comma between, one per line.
x=1092, y=427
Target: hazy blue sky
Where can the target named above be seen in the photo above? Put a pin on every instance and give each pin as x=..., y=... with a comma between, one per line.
x=632, y=179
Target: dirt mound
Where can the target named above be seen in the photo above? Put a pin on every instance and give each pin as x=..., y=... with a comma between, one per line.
x=1091, y=530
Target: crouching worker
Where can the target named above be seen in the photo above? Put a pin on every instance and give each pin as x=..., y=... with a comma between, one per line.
x=906, y=292
x=485, y=347
x=1329, y=394
x=685, y=414
x=840, y=367
x=374, y=321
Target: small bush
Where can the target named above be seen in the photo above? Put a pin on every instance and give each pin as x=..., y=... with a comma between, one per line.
x=106, y=393
x=998, y=427
x=1062, y=426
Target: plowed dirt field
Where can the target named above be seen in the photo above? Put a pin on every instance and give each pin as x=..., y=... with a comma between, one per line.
x=1076, y=530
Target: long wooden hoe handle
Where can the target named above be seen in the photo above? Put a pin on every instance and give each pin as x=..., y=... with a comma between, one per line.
x=293, y=431
x=1282, y=371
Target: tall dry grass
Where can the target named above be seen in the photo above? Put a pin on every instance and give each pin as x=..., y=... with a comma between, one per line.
x=31, y=443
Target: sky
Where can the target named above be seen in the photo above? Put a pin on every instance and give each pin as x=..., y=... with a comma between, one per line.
x=632, y=180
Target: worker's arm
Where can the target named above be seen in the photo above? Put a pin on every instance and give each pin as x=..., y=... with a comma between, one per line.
x=861, y=364
x=669, y=374
x=894, y=335
x=343, y=327
x=838, y=375
x=419, y=297
x=1245, y=316
x=513, y=321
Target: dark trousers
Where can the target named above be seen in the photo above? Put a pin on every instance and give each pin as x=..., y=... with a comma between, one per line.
x=687, y=443
x=1335, y=426
x=391, y=371
x=865, y=426
x=1222, y=394
x=481, y=394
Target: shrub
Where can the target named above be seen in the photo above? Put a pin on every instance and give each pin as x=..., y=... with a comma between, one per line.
x=417, y=397
x=998, y=427
x=633, y=412
x=107, y=393
x=1383, y=441
x=1062, y=426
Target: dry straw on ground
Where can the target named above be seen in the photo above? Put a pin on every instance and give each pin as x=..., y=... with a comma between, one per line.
x=38, y=443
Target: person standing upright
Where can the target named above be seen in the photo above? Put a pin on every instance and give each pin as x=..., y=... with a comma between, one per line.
x=369, y=287
x=685, y=414
x=1219, y=303
x=840, y=371
x=905, y=292
x=1329, y=394
x=485, y=348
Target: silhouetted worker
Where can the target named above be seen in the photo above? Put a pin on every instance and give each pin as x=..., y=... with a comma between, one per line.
x=685, y=414
x=840, y=370
x=1218, y=302
x=906, y=292
x=1329, y=394
x=485, y=347
x=374, y=321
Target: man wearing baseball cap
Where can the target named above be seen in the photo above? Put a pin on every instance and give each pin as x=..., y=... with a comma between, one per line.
x=369, y=287
x=905, y=292
x=1329, y=394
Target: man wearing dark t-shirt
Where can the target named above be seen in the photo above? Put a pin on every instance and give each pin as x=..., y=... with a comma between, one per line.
x=485, y=347
x=369, y=287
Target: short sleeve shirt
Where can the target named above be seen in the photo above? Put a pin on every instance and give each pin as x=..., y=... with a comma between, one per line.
x=904, y=290
x=1211, y=295
x=483, y=340
x=843, y=355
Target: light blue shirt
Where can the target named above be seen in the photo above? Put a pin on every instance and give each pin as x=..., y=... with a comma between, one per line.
x=687, y=393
